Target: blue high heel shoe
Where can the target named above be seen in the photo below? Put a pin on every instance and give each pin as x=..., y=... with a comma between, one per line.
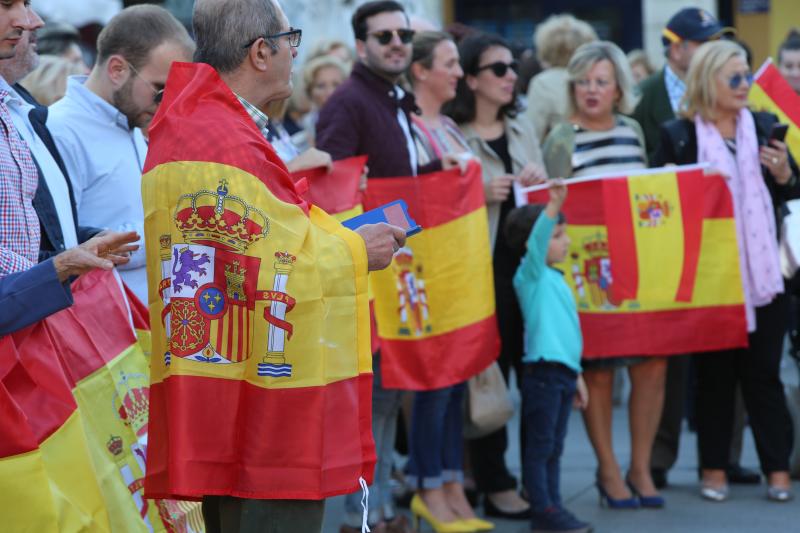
x=610, y=503
x=650, y=502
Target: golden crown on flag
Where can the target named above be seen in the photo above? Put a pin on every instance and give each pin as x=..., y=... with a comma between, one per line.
x=218, y=216
x=596, y=245
x=133, y=406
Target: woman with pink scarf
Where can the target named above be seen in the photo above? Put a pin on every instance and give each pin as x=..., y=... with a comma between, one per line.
x=718, y=129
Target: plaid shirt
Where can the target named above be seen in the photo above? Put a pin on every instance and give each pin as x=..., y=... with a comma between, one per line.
x=258, y=117
x=19, y=225
x=675, y=88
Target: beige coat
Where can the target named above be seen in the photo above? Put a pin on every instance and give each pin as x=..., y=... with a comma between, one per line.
x=523, y=146
x=548, y=100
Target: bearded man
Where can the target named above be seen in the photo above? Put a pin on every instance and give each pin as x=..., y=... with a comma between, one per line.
x=99, y=124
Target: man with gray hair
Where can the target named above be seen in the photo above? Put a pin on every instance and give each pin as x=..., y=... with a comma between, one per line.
x=261, y=371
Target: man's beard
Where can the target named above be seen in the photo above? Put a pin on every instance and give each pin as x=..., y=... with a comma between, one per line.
x=123, y=101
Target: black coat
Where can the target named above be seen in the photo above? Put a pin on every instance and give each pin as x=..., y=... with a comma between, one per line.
x=678, y=145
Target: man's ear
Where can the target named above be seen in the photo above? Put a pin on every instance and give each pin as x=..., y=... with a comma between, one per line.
x=361, y=49
x=118, y=70
x=260, y=55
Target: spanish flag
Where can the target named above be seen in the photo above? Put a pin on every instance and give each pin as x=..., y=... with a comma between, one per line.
x=771, y=92
x=654, y=263
x=336, y=191
x=74, y=426
x=261, y=374
x=434, y=306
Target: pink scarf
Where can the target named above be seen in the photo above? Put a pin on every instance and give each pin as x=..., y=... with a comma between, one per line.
x=755, y=215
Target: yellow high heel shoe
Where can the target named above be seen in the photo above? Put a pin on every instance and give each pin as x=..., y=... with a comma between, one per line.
x=419, y=509
x=478, y=524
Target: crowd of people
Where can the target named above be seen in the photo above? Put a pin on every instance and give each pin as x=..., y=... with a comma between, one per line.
x=417, y=99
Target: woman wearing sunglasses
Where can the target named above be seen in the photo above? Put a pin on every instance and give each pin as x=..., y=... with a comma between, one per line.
x=598, y=139
x=718, y=129
x=436, y=462
x=485, y=110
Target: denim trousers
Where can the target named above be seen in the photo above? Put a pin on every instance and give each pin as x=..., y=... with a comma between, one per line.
x=547, y=393
x=436, y=451
x=385, y=408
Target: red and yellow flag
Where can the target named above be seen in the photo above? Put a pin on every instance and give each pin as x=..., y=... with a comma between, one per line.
x=74, y=426
x=434, y=305
x=771, y=92
x=261, y=371
x=337, y=192
x=654, y=263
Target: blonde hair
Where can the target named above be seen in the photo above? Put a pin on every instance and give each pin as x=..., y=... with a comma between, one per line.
x=701, y=88
x=325, y=47
x=557, y=38
x=639, y=57
x=48, y=82
x=586, y=56
x=316, y=64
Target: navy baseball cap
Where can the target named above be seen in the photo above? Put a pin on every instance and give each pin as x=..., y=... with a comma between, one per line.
x=693, y=24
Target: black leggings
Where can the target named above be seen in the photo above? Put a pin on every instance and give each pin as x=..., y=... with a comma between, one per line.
x=757, y=369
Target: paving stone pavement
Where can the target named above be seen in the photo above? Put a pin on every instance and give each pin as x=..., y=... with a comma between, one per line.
x=746, y=511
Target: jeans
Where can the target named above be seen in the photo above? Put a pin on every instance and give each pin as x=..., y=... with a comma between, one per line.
x=436, y=453
x=547, y=393
x=385, y=408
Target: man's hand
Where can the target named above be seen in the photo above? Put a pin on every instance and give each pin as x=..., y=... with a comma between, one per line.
x=498, y=189
x=311, y=158
x=382, y=242
x=104, y=250
x=581, y=400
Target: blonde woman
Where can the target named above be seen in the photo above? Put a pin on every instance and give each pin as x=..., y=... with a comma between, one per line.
x=717, y=128
x=598, y=138
x=555, y=40
x=321, y=76
x=48, y=82
x=641, y=68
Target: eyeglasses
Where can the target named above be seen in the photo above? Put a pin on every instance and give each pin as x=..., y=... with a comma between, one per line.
x=385, y=37
x=499, y=68
x=158, y=94
x=600, y=83
x=295, y=35
x=736, y=80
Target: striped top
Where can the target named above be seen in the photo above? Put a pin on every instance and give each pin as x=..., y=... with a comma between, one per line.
x=614, y=150
x=432, y=143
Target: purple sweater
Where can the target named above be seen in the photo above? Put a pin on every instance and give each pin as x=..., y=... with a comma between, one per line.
x=360, y=118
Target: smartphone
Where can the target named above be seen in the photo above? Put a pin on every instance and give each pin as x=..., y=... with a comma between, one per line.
x=778, y=132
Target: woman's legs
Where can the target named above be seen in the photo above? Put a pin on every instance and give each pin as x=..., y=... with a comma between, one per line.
x=644, y=413
x=425, y=468
x=763, y=394
x=597, y=418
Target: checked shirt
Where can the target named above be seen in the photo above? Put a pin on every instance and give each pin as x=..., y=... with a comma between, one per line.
x=19, y=225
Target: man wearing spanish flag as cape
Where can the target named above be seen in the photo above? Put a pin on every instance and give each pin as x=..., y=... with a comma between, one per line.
x=261, y=370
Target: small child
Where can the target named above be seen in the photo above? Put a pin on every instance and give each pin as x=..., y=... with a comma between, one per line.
x=551, y=380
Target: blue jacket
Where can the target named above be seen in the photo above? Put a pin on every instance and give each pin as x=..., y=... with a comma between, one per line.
x=31, y=295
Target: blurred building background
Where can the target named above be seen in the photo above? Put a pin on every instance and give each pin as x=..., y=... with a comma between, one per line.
x=631, y=23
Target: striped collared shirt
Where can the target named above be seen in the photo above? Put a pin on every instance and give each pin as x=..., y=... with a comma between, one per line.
x=257, y=115
x=675, y=88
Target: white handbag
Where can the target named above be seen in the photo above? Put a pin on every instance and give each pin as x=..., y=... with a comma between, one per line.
x=790, y=240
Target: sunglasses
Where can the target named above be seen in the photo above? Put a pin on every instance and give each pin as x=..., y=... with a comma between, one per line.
x=385, y=37
x=158, y=94
x=736, y=80
x=499, y=68
x=295, y=35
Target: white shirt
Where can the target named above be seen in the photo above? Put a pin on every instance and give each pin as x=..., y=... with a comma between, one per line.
x=104, y=159
x=406, y=127
x=676, y=87
x=56, y=182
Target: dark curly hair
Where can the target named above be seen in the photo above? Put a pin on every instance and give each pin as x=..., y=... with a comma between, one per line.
x=462, y=108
